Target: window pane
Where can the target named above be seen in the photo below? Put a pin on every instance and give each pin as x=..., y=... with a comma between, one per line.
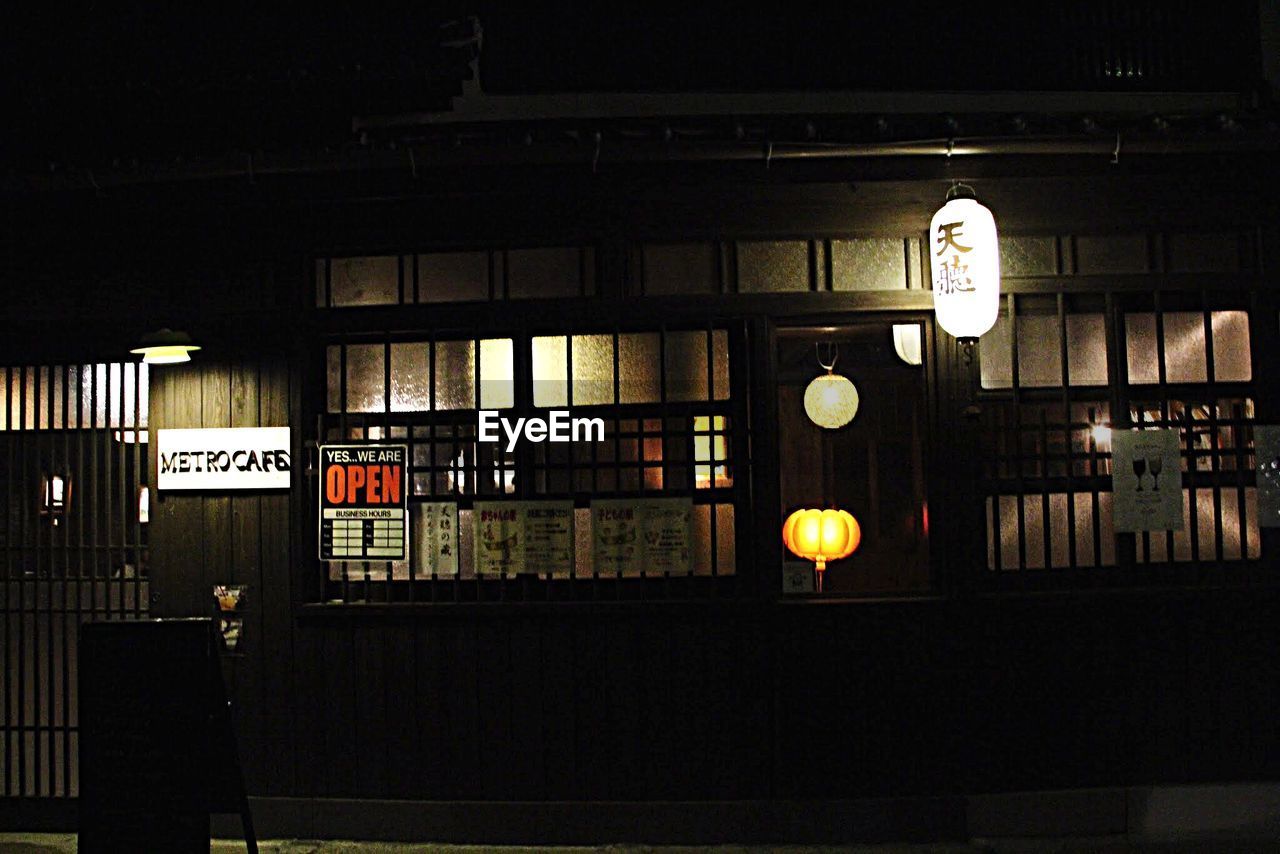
x=453, y=276
x=1124, y=253
x=638, y=363
x=993, y=357
x=548, y=272
x=1039, y=351
x=1087, y=349
x=1140, y=347
x=877, y=264
x=773, y=266
x=455, y=375
x=686, y=362
x=333, y=373
x=681, y=268
x=1028, y=256
x=1204, y=253
x=365, y=281
x=592, y=370
x=1184, y=355
x=410, y=377
x=366, y=374
x=1231, y=360
x=550, y=371
x=497, y=373
x=1184, y=350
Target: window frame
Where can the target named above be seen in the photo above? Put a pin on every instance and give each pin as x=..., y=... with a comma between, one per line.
x=502, y=320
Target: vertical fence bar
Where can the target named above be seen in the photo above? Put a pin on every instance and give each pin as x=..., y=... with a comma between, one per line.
x=46, y=737
x=344, y=437
x=1067, y=431
x=6, y=673
x=25, y=493
x=107, y=475
x=712, y=410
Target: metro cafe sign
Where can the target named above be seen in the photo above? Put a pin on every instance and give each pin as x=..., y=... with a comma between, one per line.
x=223, y=458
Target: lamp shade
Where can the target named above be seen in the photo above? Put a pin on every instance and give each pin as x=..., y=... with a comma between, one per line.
x=165, y=347
x=906, y=343
x=820, y=536
x=831, y=401
x=964, y=257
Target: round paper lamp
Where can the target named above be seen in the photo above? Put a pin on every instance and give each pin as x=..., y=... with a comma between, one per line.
x=820, y=536
x=831, y=401
x=964, y=257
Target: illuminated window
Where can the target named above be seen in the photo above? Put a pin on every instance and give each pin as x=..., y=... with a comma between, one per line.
x=662, y=397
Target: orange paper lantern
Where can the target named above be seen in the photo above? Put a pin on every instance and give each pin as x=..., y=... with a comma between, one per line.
x=820, y=536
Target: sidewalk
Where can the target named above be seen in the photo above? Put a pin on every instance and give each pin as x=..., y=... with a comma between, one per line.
x=53, y=843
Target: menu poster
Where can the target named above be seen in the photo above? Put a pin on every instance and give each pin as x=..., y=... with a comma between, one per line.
x=549, y=543
x=1266, y=445
x=500, y=539
x=435, y=532
x=1146, y=480
x=514, y=537
x=651, y=536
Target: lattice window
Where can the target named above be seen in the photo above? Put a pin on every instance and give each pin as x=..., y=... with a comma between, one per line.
x=1061, y=372
x=663, y=397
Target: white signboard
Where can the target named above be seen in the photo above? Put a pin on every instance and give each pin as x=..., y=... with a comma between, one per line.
x=1146, y=480
x=223, y=458
x=435, y=533
x=652, y=536
x=1266, y=444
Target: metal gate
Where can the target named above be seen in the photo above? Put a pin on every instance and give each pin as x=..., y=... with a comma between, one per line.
x=73, y=548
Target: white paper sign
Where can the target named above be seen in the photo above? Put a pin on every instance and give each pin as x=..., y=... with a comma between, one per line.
x=223, y=458
x=1266, y=445
x=435, y=534
x=513, y=537
x=652, y=536
x=1146, y=480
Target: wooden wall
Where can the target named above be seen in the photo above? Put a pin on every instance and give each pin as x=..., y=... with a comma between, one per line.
x=719, y=700
x=709, y=701
x=203, y=539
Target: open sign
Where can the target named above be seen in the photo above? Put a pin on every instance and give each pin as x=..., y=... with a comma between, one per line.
x=364, y=502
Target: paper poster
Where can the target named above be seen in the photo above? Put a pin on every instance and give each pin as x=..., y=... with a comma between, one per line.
x=1146, y=480
x=499, y=538
x=513, y=537
x=652, y=536
x=435, y=533
x=364, y=502
x=1266, y=445
x=549, y=546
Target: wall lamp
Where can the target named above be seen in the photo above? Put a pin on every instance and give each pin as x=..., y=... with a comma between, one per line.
x=165, y=347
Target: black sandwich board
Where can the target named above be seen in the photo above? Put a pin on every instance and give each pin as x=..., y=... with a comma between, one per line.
x=157, y=749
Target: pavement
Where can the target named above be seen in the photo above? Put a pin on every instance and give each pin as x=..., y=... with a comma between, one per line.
x=57, y=843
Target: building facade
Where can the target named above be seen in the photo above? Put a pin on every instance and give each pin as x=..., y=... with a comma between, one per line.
x=682, y=279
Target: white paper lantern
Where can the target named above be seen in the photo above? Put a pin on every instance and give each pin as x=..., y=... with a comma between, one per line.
x=965, y=259
x=831, y=401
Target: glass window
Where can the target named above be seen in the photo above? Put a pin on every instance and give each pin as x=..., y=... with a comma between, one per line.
x=660, y=433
